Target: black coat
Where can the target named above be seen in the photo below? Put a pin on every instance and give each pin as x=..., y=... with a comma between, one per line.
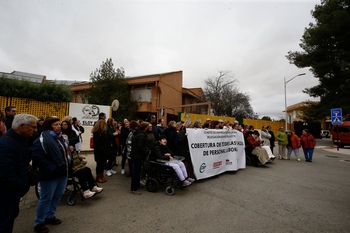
x=111, y=138
x=184, y=150
x=272, y=139
x=138, y=146
x=171, y=134
x=13, y=168
x=159, y=152
x=101, y=147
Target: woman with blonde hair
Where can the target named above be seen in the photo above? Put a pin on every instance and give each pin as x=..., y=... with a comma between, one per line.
x=101, y=142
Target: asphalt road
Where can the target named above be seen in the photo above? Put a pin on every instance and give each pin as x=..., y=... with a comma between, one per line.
x=287, y=196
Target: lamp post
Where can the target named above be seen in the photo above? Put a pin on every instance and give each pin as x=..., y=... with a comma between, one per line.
x=285, y=97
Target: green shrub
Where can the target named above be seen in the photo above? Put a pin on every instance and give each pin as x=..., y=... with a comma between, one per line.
x=37, y=91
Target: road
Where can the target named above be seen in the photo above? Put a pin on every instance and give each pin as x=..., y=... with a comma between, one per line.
x=287, y=196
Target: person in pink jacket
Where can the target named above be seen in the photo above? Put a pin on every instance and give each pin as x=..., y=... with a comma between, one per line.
x=308, y=144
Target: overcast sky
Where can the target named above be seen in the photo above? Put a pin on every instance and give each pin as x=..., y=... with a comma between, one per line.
x=68, y=39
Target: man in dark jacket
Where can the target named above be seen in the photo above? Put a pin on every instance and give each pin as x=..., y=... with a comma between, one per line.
x=10, y=113
x=14, y=161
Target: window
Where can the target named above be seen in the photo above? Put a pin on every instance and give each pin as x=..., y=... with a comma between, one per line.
x=142, y=95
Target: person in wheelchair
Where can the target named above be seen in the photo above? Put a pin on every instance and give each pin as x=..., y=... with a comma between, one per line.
x=83, y=173
x=162, y=152
x=254, y=149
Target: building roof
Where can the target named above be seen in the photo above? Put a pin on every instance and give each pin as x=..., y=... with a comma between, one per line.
x=194, y=92
x=18, y=75
x=151, y=75
x=300, y=105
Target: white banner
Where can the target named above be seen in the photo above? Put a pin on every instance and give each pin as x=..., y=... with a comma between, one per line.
x=87, y=114
x=216, y=151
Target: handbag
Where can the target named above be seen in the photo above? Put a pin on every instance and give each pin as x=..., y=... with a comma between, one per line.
x=33, y=175
x=92, y=142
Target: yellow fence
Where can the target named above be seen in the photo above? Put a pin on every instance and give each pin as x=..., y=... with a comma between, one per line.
x=275, y=125
x=36, y=108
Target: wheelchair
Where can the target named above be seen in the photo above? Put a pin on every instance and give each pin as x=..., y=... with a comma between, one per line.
x=159, y=174
x=251, y=160
x=72, y=189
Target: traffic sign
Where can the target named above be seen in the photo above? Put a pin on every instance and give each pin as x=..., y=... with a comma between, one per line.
x=336, y=114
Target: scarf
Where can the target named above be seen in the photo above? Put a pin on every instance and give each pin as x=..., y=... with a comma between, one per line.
x=53, y=145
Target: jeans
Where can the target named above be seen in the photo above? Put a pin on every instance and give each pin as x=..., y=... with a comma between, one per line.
x=51, y=192
x=296, y=152
x=308, y=153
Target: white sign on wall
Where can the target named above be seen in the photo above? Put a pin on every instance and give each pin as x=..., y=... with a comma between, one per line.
x=87, y=114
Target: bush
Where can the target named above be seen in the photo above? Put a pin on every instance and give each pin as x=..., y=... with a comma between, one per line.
x=37, y=91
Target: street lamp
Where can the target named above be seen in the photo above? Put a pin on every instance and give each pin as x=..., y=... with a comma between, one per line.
x=285, y=97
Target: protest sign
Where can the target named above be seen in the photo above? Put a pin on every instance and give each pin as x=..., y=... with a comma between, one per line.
x=216, y=151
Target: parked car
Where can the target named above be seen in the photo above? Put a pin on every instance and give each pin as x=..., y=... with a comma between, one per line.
x=325, y=134
x=341, y=134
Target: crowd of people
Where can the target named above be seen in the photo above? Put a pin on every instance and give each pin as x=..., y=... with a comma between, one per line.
x=54, y=146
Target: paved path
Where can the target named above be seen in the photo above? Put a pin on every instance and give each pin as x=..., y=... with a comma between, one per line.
x=287, y=196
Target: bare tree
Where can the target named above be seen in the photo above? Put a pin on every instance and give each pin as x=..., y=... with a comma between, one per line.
x=226, y=99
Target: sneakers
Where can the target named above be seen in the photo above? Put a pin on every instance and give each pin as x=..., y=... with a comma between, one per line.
x=113, y=172
x=97, y=189
x=109, y=173
x=143, y=182
x=186, y=183
x=88, y=194
x=137, y=192
x=40, y=228
x=122, y=172
x=191, y=179
x=299, y=160
x=53, y=221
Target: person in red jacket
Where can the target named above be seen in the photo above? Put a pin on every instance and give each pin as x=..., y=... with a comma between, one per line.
x=293, y=145
x=308, y=144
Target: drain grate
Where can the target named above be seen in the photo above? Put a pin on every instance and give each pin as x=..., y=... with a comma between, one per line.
x=332, y=156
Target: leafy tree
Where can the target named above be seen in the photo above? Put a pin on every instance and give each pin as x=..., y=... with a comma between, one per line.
x=327, y=51
x=225, y=98
x=266, y=118
x=108, y=84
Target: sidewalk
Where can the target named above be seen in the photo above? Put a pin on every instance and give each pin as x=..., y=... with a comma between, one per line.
x=333, y=149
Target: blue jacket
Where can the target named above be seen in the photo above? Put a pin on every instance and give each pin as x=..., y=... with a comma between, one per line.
x=13, y=167
x=48, y=168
